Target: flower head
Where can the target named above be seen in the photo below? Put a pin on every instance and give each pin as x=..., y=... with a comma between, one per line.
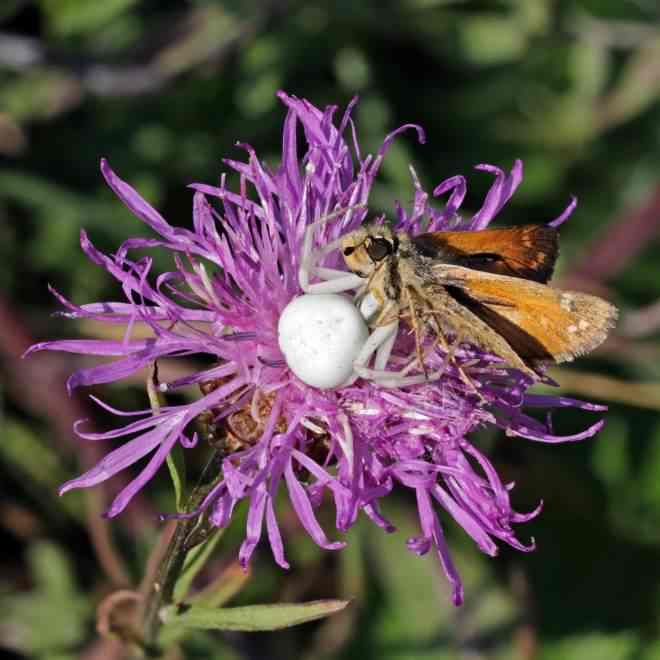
x=234, y=272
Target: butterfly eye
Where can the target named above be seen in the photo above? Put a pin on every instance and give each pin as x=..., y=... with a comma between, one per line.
x=379, y=248
x=348, y=251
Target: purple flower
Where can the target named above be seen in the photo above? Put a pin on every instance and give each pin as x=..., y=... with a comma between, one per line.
x=234, y=272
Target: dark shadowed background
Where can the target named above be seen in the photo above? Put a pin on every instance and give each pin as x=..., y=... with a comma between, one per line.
x=164, y=89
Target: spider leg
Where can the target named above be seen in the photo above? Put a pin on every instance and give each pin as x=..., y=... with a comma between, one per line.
x=385, y=349
x=380, y=341
x=309, y=257
x=336, y=285
x=396, y=379
x=335, y=281
x=399, y=378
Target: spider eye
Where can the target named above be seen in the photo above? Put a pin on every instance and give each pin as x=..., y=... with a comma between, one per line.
x=348, y=251
x=379, y=248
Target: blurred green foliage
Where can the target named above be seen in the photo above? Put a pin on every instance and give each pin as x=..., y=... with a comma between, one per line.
x=164, y=89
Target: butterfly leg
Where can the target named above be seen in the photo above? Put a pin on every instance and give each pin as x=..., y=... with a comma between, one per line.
x=450, y=353
x=416, y=322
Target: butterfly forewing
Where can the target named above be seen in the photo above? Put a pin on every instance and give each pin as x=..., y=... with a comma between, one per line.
x=527, y=252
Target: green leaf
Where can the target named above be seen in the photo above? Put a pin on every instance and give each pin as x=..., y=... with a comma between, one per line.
x=488, y=39
x=18, y=449
x=52, y=570
x=41, y=93
x=175, y=461
x=67, y=18
x=252, y=618
x=649, y=474
x=195, y=560
x=54, y=599
x=223, y=588
x=615, y=646
x=177, y=466
x=610, y=455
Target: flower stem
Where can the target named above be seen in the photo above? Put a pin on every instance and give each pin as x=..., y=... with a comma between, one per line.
x=188, y=534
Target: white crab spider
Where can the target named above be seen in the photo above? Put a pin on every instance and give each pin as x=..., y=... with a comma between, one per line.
x=381, y=340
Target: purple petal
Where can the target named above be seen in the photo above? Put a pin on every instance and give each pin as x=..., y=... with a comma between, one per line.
x=458, y=188
x=126, y=494
x=303, y=509
x=115, y=461
x=254, y=524
x=499, y=194
x=134, y=202
x=274, y=535
x=565, y=214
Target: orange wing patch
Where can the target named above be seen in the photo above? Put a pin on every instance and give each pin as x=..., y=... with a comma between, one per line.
x=528, y=251
x=538, y=322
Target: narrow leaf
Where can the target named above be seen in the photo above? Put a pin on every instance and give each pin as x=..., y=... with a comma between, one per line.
x=177, y=467
x=195, y=561
x=252, y=618
x=224, y=587
x=175, y=460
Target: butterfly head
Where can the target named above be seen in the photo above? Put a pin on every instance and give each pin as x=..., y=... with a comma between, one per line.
x=368, y=247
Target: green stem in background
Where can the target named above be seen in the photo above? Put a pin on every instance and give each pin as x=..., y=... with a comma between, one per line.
x=188, y=534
